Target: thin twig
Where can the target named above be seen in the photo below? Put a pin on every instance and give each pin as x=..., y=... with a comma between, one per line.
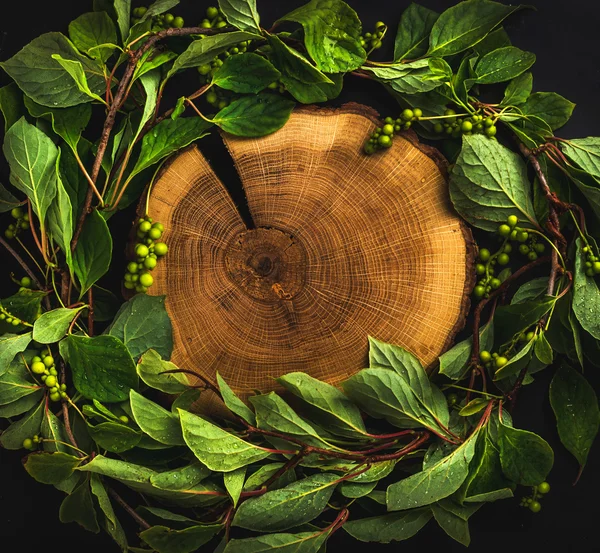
x=20, y=261
x=141, y=522
x=90, y=328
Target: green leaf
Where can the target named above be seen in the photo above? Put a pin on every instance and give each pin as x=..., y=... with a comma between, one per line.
x=512, y=319
x=552, y=108
x=106, y=304
x=123, y=12
x=10, y=346
x=259, y=477
x=413, y=32
x=455, y=361
x=354, y=490
x=53, y=325
x=456, y=527
x=245, y=73
x=16, y=382
x=302, y=542
x=518, y=90
x=91, y=30
x=183, y=478
x=234, y=483
x=43, y=79
x=151, y=366
x=436, y=482
x=32, y=156
x=466, y=24
x=534, y=289
x=296, y=504
x=516, y=363
x=585, y=152
x=254, y=115
x=474, y=406
x=75, y=69
x=54, y=429
x=489, y=182
x=166, y=138
x=60, y=219
x=72, y=178
x=542, y=349
x=332, y=33
x=387, y=528
x=11, y=105
x=575, y=406
x=165, y=540
x=93, y=253
x=141, y=324
x=525, y=457
x=79, y=507
x=301, y=79
x=28, y=426
x=7, y=200
x=408, y=78
x=25, y=305
x=204, y=50
x=111, y=522
x=114, y=437
x=102, y=367
x=503, y=64
x=241, y=14
x=159, y=7
x=51, y=468
x=234, y=403
x=21, y=405
x=217, y=449
x=154, y=420
x=328, y=404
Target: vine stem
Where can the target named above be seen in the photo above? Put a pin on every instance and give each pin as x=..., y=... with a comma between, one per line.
x=142, y=523
x=20, y=261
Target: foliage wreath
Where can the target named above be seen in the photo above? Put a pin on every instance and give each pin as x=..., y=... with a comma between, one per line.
x=272, y=469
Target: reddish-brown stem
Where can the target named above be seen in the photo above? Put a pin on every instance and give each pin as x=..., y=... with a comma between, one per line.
x=292, y=462
x=338, y=522
x=33, y=232
x=390, y=436
x=20, y=261
x=141, y=522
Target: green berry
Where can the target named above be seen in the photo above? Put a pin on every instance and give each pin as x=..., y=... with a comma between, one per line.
x=141, y=289
x=480, y=269
x=452, y=399
x=28, y=443
x=491, y=131
x=418, y=113
x=141, y=250
x=384, y=141
x=124, y=419
x=129, y=285
x=535, y=507
x=495, y=283
x=523, y=249
x=55, y=396
x=466, y=126
x=507, y=248
x=501, y=361
x=388, y=129
x=38, y=367
x=132, y=267
x=589, y=272
x=407, y=114
x=9, y=234
x=50, y=381
x=596, y=267
x=26, y=282
x=543, y=488
x=503, y=259
x=532, y=256
x=48, y=361
x=63, y=387
x=16, y=212
x=522, y=236
x=479, y=291
x=204, y=69
x=529, y=336
x=160, y=249
x=178, y=22
x=485, y=356
x=149, y=263
x=503, y=230
x=488, y=122
x=539, y=248
x=449, y=112
x=212, y=12
x=512, y=221
x=145, y=226
x=146, y=280
x=221, y=24
x=438, y=128
x=484, y=254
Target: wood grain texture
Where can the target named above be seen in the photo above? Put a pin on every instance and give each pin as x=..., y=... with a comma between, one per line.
x=346, y=246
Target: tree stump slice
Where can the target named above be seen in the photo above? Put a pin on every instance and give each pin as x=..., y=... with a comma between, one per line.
x=346, y=246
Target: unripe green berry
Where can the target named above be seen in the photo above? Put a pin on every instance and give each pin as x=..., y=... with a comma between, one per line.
x=221, y=24
x=212, y=12
x=144, y=226
x=523, y=249
x=160, y=249
x=503, y=259
x=55, y=396
x=522, y=236
x=124, y=419
x=503, y=230
x=485, y=356
x=26, y=282
x=480, y=269
x=543, y=488
x=384, y=141
x=449, y=112
x=479, y=291
x=28, y=443
x=535, y=507
x=38, y=368
x=452, y=399
x=539, y=248
x=438, y=128
x=146, y=280
x=501, y=361
x=407, y=114
x=491, y=131
x=512, y=221
x=388, y=129
x=211, y=97
x=484, y=254
x=178, y=22
x=495, y=283
x=50, y=381
x=466, y=126
x=596, y=267
x=418, y=112
x=507, y=248
x=141, y=250
x=150, y=263
x=532, y=256
x=48, y=361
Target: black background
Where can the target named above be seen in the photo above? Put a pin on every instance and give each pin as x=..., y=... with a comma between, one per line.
x=565, y=37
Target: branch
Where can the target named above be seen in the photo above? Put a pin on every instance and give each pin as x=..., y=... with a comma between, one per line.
x=142, y=523
x=19, y=259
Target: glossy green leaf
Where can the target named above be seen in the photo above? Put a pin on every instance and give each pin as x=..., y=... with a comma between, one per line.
x=474, y=406
x=454, y=363
x=43, y=79
x=53, y=325
x=234, y=403
x=328, y=404
x=496, y=39
x=93, y=253
x=387, y=528
x=408, y=78
x=114, y=437
x=518, y=90
x=525, y=457
x=32, y=156
x=254, y=115
x=514, y=318
x=141, y=324
x=10, y=346
x=51, y=468
x=516, y=363
x=241, y=14
x=102, y=367
x=165, y=540
x=466, y=24
x=16, y=382
x=586, y=295
x=301, y=542
x=111, y=522
x=503, y=64
x=436, y=482
x=575, y=406
x=53, y=430
x=154, y=420
x=183, y=478
x=296, y=504
x=332, y=32
x=60, y=219
x=262, y=474
x=585, y=152
x=26, y=427
x=542, y=349
x=412, y=37
x=75, y=69
x=204, y=50
x=122, y=10
x=234, y=483
x=7, y=200
x=25, y=305
x=534, y=289
x=245, y=73
x=456, y=527
x=79, y=507
x=91, y=30
x=159, y=7
x=217, y=449
x=489, y=182
x=354, y=490
x=11, y=105
x=550, y=107
x=151, y=366
x=21, y=405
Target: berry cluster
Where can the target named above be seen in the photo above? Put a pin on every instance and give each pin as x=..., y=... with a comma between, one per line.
x=457, y=125
x=147, y=252
x=532, y=502
x=382, y=136
x=373, y=41
x=44, y=367
x=529, y=245
x=592, y=264
x=493, y=361
x=31, y=443
x=214, y=19
x=21, y=223
x=159, y=22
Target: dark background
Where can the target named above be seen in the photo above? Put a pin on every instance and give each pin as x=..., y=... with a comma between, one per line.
x=565, y=37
